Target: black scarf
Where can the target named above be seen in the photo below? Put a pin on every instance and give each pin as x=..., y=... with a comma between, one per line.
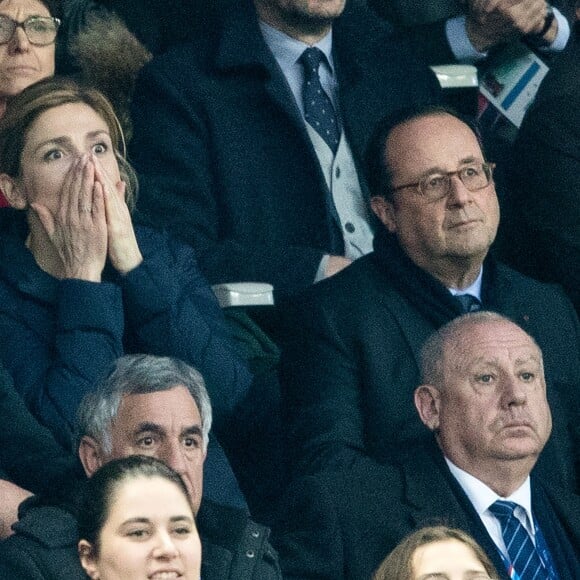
x=431, y=298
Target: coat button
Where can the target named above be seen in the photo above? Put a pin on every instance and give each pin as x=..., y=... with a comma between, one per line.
x=349, y=227
x=250, y=553
x=337, y=172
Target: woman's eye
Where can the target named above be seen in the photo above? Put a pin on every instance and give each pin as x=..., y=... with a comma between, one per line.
x=52, y=155
x=100, y=148
x=138, y=534
x=182, y=531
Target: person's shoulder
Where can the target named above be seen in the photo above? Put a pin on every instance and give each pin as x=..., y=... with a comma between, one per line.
x=229, y=533
x=548, y=494
x=373, y=39
x=346, y=284
x=224, y=524
x=46, y=525
x=530, y=287
x=44, y=545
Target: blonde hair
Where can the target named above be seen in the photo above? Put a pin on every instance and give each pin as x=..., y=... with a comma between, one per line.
x=24, y=109
x=398, y=565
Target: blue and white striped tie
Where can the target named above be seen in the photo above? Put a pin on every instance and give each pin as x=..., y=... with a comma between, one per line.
x=525, y=562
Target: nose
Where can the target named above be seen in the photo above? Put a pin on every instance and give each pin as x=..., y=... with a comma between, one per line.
x=164, y=546
x=514, y=391
x=174, y=456
x=19, y=41
x=458, y=195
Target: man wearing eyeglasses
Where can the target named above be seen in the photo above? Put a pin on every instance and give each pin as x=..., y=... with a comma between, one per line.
x=27, y=44
x=349, y=370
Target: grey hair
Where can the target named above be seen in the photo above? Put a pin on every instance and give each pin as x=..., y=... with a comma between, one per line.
x=137, y=374
x=433, y=351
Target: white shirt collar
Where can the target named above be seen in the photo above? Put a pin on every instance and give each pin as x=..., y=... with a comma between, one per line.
x=287, y=50
x=474, y=289
x=482, y=497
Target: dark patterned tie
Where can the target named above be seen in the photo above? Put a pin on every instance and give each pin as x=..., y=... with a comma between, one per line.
x=468, y=303
x=525, y=560
x=318, y=109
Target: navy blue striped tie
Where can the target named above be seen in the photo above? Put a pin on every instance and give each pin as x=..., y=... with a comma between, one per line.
x=525, y=560
x=318, y=108
x=468, y=303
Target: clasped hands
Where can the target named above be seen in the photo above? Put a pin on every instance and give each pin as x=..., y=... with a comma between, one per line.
x=90, y=223
x=491, y=22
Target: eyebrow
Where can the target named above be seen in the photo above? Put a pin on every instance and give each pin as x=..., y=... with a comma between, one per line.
x=528, y=358
x=193, y=430
x=64, y=140
x=155, y=428
x=522, y=360
x=148, y=426
x=443, y=575
x=464, y=161
x=172, y=519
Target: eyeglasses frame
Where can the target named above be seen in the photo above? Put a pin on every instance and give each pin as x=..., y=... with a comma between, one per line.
x=17, y=24
x=487, y=167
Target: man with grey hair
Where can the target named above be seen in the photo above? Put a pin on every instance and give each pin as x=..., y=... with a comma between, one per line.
x=147, y=405
x=484, y=400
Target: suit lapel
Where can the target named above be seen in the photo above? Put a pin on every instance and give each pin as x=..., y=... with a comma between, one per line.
x=558, y=515
x=414, y=327
x=435, y=497
x=242, y=48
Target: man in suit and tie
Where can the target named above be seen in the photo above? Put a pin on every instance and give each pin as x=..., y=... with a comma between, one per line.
x=484, y=400
x=248, y=140
x=351, y=360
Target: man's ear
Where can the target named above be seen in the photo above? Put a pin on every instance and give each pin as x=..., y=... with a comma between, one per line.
x=427, y=399
x=385, y=211
x=12, y=191
x=87, y=558
x=91, y=455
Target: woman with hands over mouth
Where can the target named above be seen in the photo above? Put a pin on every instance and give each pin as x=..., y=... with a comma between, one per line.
x=80, y=283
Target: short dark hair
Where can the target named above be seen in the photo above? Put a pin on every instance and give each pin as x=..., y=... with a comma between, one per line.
x=98, y=492
x=377, y=172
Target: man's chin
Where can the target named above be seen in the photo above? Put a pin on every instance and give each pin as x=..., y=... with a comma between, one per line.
x=519, y=446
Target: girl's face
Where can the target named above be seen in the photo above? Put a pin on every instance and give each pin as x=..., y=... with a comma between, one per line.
x=149, y=534
x=447, y=560
x=54, y=142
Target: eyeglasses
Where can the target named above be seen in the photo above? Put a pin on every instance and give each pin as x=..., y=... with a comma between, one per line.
x=40, y=30
x=436, y=186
